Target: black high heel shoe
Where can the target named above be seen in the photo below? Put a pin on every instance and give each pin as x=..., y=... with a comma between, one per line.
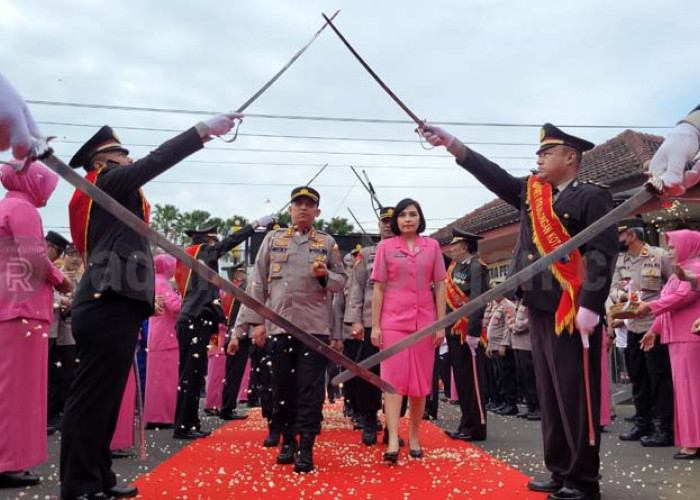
x=391, y=456
x=416, y=453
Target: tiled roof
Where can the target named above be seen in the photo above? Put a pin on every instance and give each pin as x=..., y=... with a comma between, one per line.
x=619, y=159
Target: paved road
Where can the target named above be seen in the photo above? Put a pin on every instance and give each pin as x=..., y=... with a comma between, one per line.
x=629, y=471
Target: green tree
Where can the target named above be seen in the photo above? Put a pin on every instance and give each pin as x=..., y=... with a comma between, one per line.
x=285, y=219
x=338, y=225
x=165, y=219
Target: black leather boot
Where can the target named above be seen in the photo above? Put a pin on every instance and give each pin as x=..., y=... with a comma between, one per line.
x=662, y=436
x=305, y=460
x=638, y=431
x=288, y=451
x=369, y=431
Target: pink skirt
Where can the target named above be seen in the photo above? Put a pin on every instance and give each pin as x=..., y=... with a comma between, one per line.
x=243, y=391
x=124, y=433
x=24, y=360
x=161, y=386
x=685, y=362
x=215, y=381
x=411, y=370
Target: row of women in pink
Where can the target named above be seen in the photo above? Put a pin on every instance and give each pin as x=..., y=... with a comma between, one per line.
x=409, y=293
x=27, y=279
x=676, y=310
x=163, y=354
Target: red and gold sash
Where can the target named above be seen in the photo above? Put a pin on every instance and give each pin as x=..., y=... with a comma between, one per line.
x=227, y=301
x=456, y=298
x=184, y=273
x=79, y=209
x=548, y=233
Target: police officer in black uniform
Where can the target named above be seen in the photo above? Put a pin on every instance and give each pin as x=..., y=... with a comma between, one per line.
x=199, y=318
x=468, y=274
x=114, y=296
x=572, y=460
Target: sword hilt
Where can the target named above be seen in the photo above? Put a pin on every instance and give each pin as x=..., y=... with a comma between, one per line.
x=236, y=125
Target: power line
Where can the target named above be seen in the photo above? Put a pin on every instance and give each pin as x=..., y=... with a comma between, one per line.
x=299, y=151
x=285, y=136
x=329, y=118
x=286, y=184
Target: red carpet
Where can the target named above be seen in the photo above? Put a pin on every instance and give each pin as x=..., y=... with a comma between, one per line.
x=231, y=463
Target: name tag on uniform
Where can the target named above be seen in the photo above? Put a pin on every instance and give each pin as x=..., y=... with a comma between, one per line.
x=400, y=256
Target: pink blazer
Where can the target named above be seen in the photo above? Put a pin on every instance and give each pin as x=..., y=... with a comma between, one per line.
x=675, y=311
x=409, y=303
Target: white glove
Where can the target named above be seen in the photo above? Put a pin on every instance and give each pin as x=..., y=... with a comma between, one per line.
x=264, y=221
x=473, y=343
x=222, y=124
x=437, y=136
x=669, y=162
x=586, y=321
x=17, y=127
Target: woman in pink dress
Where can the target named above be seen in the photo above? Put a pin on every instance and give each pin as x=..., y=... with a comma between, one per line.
x=123, y=437
x=27, y=278
x=163, y=353
x=675, y=310
x=409, y=293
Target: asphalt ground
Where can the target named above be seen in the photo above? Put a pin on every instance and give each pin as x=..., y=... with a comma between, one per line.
x=628, y=470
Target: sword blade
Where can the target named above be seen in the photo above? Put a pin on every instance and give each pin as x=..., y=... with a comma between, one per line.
x=522, y=276
x=475, y=376
x=133, y=222
x=383, y=85
x=296, y=56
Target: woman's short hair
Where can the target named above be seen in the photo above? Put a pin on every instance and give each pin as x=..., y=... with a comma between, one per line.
x=400, y=207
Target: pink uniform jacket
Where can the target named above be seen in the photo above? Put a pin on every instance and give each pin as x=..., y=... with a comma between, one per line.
x=678, y=306
x=408, y=297
x=27, y=276
x=161, y=329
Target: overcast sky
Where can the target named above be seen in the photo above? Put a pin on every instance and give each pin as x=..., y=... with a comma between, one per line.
x=591, y=63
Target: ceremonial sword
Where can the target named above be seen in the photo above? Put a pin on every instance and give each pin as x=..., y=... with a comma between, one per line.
x=272, y=80
x=512, y=283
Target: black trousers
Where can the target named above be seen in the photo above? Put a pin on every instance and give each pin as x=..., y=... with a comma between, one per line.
x=235, y=368
x=558, y=362
x=638, y=372
x=368, y=398
x=658, y=364
x=350, y=349
x=298, y=376
x=261, y=377
x=432, y=401
x=526, y=378
x=461, y=361
x=105, y=331
x=507, y=376
x=61, y=374
x=493, y=392
x=193, y=337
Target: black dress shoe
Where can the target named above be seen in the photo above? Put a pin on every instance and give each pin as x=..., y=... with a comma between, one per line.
x=632, y=419
x=272, y=440
x=534, y=416
x=461, y=436
x=637, y=432
x=507, y=410
x=391, y=456
x=18, y=480
x=202, y=434
x=122, y=492
x=189, y=434
x=550, y=486
x=369, y=436
x=687, y=456
x=212, y=412
x=658, y=440
x=573, y=494
x=416, y=453
x=157, y=426
x=233, y=415
x=121, y=454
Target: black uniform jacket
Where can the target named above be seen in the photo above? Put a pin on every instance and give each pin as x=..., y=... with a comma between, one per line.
x=201, y=297
x=472, y=277
x=117, y=257
x=578, y=206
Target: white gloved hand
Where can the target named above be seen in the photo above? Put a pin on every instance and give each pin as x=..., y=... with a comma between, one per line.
x=222, y=124
x=669, y=162
x=586, y=321
x=437, y=136
x=473, y=343
x=17, y=127
x=264, y=221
